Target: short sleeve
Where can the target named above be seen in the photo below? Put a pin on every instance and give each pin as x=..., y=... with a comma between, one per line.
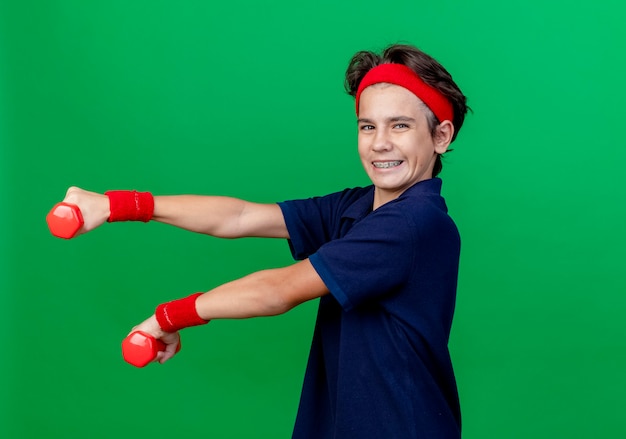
x=312, y=222
x=376, y=257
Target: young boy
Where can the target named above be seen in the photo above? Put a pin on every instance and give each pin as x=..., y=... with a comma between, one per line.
x=383, y=260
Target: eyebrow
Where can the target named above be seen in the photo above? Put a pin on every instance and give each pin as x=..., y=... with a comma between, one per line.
x=388, y=120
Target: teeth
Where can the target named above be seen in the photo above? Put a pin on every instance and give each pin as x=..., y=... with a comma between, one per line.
x=386, y=164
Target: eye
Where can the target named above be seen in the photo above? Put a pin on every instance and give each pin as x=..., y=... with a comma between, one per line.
x=401, y=125
x=366, y=127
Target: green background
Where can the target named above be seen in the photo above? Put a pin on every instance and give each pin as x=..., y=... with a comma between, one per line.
x=246, y=99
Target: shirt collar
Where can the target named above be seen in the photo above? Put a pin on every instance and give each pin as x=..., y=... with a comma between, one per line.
x=363, y=206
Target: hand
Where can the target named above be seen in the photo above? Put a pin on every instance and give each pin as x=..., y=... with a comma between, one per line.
x=171, y=339
x=93, y=207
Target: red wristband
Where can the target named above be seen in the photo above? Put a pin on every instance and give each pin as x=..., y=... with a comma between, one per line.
x=130, y=206
x=178, y=314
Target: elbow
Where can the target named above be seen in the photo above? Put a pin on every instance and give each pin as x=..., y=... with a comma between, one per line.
x=277, y=303
x=276, y=296
x=282, y=289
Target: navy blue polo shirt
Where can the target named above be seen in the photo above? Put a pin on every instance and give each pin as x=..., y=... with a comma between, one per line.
x=379, y=365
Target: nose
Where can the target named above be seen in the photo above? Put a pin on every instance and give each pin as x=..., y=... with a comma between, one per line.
x=381, y=141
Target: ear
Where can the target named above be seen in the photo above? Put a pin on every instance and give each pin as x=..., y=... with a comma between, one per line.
x=443, y=136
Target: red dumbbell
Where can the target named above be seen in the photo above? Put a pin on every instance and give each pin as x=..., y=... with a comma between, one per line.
x=140, y=348
x=65, y=220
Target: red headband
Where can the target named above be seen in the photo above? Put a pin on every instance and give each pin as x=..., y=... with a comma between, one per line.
x=404, y=76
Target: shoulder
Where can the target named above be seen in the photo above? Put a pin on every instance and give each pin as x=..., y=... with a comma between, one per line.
x=423, y=200
x=421, y=213
x=347, y=195
x=335, y=203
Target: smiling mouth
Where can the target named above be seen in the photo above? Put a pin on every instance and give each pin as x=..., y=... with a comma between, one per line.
x=386, y=165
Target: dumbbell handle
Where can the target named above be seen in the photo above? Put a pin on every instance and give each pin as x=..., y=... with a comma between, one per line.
x=140, y=348
x=65, y=220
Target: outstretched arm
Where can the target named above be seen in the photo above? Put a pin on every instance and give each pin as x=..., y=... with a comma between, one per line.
x=264, y=293
x=222, y=217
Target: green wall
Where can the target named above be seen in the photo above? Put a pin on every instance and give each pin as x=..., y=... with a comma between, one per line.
x=246, y=99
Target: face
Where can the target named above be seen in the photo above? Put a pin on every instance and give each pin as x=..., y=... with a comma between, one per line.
x=395, y=143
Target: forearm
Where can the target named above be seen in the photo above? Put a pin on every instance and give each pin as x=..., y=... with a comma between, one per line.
x=215, y=216
x=255, y=295
x=251, y=296
x=264, y=293
x=223, y=217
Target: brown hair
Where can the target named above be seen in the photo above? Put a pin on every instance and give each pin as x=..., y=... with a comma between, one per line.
x=426, y=67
